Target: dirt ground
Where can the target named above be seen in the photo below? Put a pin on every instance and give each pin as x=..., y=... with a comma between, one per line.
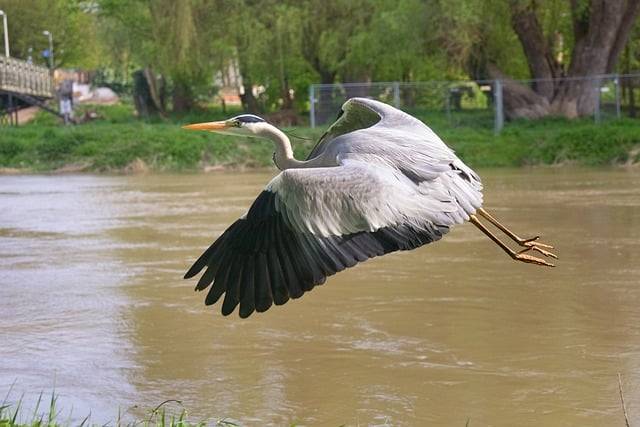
x=25, y=115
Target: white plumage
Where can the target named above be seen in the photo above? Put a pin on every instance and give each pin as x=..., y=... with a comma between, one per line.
x=396, y=171
x=378, y=181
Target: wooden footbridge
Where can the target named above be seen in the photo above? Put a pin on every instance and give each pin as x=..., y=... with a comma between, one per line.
x=22, y=83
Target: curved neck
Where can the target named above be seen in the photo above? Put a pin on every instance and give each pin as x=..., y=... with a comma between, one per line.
x=283, y=156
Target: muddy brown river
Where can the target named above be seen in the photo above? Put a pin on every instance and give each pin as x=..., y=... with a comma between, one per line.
x=93, y=305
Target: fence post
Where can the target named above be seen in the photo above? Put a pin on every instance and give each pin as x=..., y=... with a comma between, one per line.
x=596, y=113
x=312, y=106
x=616, y=80
x=396, y=94
x=447, y=104
x=499, y=107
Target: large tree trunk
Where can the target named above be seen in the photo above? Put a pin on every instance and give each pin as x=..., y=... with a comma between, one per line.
x=148, y=93
x=595, y=32
x=325, y=108
x=249, y=101
x=182, y=97
x=628, y=20
x=601, y=31
x=520, y=101
x=362, y=89
x=539, y=57
x=287, y=99
x=156, y=89
x=628, y=84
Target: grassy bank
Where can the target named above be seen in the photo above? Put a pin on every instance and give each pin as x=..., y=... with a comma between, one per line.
x=117, y=141
x=47, y=413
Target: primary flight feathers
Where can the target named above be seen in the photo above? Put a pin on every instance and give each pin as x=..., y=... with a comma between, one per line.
x=378, y=181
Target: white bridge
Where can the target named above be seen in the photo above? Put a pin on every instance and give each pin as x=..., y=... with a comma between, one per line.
x=23, y=83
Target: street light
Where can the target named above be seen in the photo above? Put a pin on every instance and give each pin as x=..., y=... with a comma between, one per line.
x=50, y=36
x=6, y=33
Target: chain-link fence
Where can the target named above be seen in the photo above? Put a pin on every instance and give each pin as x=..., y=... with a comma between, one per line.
x=479, y=104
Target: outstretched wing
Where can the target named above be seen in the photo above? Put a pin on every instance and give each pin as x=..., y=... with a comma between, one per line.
x=311, y=223
x=374, y=132
x=354, y=115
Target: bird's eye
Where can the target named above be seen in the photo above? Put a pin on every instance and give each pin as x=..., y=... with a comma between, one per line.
x=237, y=123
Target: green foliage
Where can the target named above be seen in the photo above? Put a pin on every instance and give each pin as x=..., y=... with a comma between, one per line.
x=279, y=48
x=117, y=139
x=589, y=145
x=547, y=142
x=72, y=24
x=284, y=46
x=393, y=44
x=114, y=141
x=173, y=38
x=474, y=33
x=14, y=415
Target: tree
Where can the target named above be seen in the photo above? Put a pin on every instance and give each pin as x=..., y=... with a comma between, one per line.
x=328, y=27
x=599, y=31
x=474, y=34
x=395, y=43
x=166, y=37
x=73, y=27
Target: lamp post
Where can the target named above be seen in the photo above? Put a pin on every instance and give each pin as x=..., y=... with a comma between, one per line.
x=50, y=36
x=6, y=53
x=6, y=33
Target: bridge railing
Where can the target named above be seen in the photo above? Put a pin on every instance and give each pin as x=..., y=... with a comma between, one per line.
x=23, y=78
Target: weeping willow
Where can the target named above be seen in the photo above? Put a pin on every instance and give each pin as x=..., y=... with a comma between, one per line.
x=179, y=47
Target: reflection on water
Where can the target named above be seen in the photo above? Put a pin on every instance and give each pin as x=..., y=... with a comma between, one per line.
x=93, y=304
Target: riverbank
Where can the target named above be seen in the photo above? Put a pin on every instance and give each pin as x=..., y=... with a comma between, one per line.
x=120, y=143
x=47, y=413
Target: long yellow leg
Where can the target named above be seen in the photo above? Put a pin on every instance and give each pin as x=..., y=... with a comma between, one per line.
x=531, y=243
x=518, y=256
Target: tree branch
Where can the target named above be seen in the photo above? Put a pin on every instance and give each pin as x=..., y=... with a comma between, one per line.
x=579, y=19
x=628, y=20
x=596, y=28
x=529, y=31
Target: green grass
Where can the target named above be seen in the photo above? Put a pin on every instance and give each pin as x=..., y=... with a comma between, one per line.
x=117, y=139
x=547, y=142
x=47, y=413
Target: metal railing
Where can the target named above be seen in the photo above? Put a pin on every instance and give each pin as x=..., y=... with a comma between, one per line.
x=21, y=77
x=469, y=103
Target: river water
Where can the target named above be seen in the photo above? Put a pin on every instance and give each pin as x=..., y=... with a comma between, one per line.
x=92, y=304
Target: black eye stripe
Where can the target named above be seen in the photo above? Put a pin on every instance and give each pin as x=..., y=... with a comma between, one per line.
x=249, y=118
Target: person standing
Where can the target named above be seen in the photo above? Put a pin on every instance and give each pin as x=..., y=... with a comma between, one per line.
x=65, y=96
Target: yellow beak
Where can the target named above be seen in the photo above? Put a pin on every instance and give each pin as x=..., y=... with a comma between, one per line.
x=209, y=126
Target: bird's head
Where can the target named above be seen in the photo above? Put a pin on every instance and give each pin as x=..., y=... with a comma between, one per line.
x=242, y=125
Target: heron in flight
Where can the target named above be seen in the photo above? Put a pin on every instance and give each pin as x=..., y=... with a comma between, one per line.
x=378, y=181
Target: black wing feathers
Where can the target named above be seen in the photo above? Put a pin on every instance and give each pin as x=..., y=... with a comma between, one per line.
x=260, y=260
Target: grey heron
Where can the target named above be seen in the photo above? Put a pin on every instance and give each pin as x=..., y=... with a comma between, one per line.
x=378, y=181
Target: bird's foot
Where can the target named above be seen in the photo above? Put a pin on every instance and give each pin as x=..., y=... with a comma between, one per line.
x=533, y=241
x=523, y=257
x=532, y=244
